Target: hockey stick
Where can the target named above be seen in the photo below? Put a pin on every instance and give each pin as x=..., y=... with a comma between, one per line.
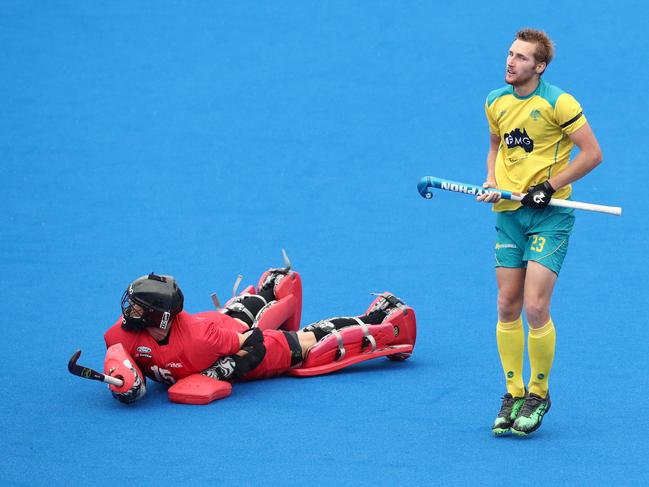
x=82, y=371
x=427, y=183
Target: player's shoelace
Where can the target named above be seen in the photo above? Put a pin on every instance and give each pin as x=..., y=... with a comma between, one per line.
x=508, y=404
x=532, y=402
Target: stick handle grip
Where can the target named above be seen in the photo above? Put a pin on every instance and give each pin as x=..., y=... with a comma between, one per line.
x=610, y=210
x=112, y=380
x=578, y=205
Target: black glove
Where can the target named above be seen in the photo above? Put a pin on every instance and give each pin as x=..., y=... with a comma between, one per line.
x=232, y=367
x=538, y=196
x=137, y=390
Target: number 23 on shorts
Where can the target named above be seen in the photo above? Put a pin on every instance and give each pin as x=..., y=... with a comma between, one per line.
x=537, y=243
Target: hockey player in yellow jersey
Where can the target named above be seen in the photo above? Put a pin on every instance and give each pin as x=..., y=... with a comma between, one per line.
x=533, y=128
x=534, y=133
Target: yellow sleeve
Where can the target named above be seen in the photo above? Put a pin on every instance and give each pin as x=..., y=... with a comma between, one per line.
x=568, y=114
x=493, y=126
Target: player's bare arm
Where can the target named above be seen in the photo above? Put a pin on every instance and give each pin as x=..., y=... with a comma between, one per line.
x=589, y=157
x=490, y=182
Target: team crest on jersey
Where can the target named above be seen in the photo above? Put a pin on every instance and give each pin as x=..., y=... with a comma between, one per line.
x=535, y=114
x=516, y=138
x=143, y=351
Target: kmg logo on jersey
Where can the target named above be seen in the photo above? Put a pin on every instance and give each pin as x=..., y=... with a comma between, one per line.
x=516, y=138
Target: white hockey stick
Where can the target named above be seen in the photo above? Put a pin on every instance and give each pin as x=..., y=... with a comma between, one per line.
x=427, y=183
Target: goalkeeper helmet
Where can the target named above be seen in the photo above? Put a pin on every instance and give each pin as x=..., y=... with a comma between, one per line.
x=151, y=300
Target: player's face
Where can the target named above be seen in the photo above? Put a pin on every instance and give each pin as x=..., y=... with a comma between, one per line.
x=521, y=65
x=134, y=310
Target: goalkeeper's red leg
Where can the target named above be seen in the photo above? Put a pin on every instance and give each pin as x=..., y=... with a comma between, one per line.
x=275, y=304
x=388, y=328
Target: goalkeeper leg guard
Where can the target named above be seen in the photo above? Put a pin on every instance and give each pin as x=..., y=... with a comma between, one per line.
x=275, y=304
x=286, y=311
x=393, y=337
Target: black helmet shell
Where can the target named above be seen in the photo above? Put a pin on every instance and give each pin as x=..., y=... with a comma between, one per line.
x=160, y=298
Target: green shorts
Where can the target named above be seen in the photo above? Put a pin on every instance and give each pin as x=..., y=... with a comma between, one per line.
x=530, y=234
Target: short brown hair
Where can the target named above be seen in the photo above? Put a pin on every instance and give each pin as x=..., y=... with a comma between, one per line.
x=544, y=46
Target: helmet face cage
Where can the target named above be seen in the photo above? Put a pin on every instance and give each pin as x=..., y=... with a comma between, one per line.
x=129, y=321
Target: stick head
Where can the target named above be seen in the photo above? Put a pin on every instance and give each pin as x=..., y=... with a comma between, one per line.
x=72, y=364
x=425, y=188
x=80, y=370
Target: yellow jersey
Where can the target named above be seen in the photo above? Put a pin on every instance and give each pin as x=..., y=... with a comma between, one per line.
x=534, y=142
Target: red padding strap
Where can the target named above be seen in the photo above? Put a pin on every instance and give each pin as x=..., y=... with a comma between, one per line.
x=199, y=389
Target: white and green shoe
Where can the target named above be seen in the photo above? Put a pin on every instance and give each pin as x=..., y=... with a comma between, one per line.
x=508, y=413
x=531, y=414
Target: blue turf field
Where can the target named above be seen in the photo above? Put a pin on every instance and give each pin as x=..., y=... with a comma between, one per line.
x=198, y=138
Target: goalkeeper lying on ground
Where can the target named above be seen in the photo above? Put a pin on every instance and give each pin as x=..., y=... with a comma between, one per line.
x=255, y=335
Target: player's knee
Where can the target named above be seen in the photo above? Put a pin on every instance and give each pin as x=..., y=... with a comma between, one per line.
x=306, y=340
x=509, y=306
x=537, y=312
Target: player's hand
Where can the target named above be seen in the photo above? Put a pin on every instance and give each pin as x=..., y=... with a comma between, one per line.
x=489, y=197
x=135, y=392
x=538, y=196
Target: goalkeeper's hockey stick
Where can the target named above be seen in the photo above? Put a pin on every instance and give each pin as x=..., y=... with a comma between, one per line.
x=88, y=373
x=427, y=183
